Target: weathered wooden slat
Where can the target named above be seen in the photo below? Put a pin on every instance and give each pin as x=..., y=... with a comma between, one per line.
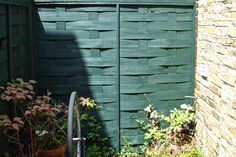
x=110, y=125
x=109, y=71
x=133, y=79
x=19, y=61
x=169, y=95
x=129, y=123
x=63, y=53
x=135, y=140
x=86, y=80
x=62, y=16
x=141, y=69
x=3, y=19
x=19, y=51
x=133, y=26
x=156, y=26
x=92, y=43
x=20, y=72
x=66, y=35
x=160, y=95
x=19, y=30
x=81, y=43
x=167, y=61
x=18, y=10
x=131, y=115
x=91, y=25
x=3, y=55
x=108, y=115
x=161, y=61
x=3, y=30
x=72, y=72
x=143, y=35
x=19, y=40
x=4, y=73
x=178, y=26
x=60, y=71
x=61, y=35
x=170, y=43
x=172, y=9
x=159, y=43
x=44, y=9
x=140, y=88
x=19, y=20
x=87, y=62
x=174, y=84
x=131, y=132
x=169, y=78
x=91, y=9
x=141, y=17
x=122, y=1
x=45, y=26
x=143, y=52
x=186, y=17
x=3, y=81
x=3, y=9
x=133, y=106
x=82, y=88
x=109, y=106
x=184, y=34
x=184, y=68
x=105, y=71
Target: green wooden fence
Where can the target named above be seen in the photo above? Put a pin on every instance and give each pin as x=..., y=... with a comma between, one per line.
x=16, y=39
x=15, y=43
x=115, y=52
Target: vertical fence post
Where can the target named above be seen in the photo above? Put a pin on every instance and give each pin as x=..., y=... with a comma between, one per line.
x=9, y=50
x=30, y=42
x=118, y=69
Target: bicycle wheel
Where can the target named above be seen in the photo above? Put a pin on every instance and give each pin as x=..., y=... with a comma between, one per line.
x=74, y=128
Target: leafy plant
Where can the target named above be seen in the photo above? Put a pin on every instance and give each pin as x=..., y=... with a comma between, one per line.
x=179, y=119
x=18, y=91
x=129, y=151
x=47, y=119
x=18, y=94
x=96, y=143
x=34, y=123
x=167, y=135
x=192, y=152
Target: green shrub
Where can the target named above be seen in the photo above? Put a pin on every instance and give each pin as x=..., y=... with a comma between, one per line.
x=167, y=136
x=96, y=143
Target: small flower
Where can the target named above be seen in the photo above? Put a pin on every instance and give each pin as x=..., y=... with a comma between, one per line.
x=186, y=107
x=183, y=106
x=148, y=109
x=83, y=101
x=154, y=115
x=41, y=132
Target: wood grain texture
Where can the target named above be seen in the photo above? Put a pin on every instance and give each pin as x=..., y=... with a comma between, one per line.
x=78, y=49
x=156, y=50
x=14, y=50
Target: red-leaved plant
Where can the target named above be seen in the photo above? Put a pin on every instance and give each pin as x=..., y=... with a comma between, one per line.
x=34, y=123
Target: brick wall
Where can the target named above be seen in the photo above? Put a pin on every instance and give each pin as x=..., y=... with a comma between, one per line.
x=216, y=77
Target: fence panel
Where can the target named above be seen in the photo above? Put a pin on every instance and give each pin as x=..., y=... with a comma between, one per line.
x=115, y=52
x=15, y=44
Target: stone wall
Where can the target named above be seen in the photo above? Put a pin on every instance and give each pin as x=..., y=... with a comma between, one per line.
x=216, y=77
